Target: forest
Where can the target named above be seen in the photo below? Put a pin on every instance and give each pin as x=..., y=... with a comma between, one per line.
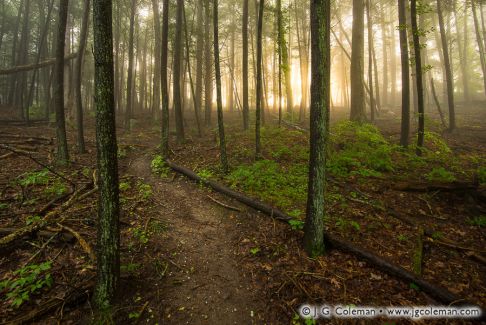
x=242, y=162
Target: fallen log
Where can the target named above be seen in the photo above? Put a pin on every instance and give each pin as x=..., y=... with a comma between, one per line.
x=435, y=186
x=29, y=67
x=440, y=294
x=62, y=236
x=260, y=206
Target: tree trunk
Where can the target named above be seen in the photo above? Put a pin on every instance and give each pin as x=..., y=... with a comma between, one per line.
x=259, y=80
x=108, y=257
x=419, y=78
x=370, y=59
x=164, y=82
x=480, y=43
x=176, y=86
x=79, y=74
x=405, y=62
x=217, y=69
x=62, y=148
x=357, y=63
x=246, y=109
x=208, y=86
x=448, y=69
x=129, y=104
x=319, y=128
x=157, y=69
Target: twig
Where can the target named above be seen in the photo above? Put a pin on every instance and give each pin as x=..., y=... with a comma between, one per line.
x=140, y=313
x=40, y=250
x=224, y=205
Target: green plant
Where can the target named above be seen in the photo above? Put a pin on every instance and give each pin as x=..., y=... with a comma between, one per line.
x=122, y=153
x=440, y=174
x=437, y=235
x=159, y=166
x=479, y=221
x=481, y=175
x=141, y=235
x=145, y=190
x=26, y=281
x=32, y=219
x=296, y=224
x=130, y=267
x=124, y=186
x=3, y=206
x=254, y=251
x=35, y=178
x=205, y=174
x=355, y=225
x=402, y=237
x=57, y=188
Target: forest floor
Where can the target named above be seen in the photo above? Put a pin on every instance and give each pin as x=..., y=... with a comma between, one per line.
x=186, y=258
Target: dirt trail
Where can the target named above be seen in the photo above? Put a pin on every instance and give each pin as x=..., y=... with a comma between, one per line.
x=204, y=284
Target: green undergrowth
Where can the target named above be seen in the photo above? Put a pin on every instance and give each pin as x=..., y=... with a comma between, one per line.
x=355, y=150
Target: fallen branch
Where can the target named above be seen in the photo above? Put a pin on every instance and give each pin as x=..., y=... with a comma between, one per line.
x=84, y=244
x=224, y=205
x=440, y=294
x=418, y=253
x=435, y=186
x=28, y=67
x=52, y=216
x=61, y=236
x=260, y=206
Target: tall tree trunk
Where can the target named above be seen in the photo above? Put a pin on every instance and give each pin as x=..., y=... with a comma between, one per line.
x=357, y=63
x=319, y=128
x=217, y=69
x=23, y=58
x=462, y=58
x=259, y=80
x=405, y=62
x=131, y=49
x=13, y=58
x=370, y=59
x=176, y=87
x=284, y=54
x=164, y=146
x=448, y=69
x=418, y=76
x=108, y=244
x=199, y=55
x=384, y=96
x=246, y=109
x=193, y=91
x=62, y=148
x=79, y=77
x=208, y=86
x=40, y=51
x=157, y=71
x=480, y=43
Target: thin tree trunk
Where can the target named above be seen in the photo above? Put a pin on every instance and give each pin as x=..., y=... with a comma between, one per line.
x=448, y=69
x=217, y=69
x=370, y=59
x=357, y=63
x=129, y=104
x=157, y=70
x=246, y=109
x=79, y=77
x=419, y=78
x=62, y=148
x=164, y=147
x=480, y=43
x=208, y=86
x=259, y=86
x=176, y=87
x=405, y=62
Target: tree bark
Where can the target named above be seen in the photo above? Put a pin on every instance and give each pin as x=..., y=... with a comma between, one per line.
x=208, y=86
x=418, y=76
x=357, y=63
x=164, y=82
x=129, y=104
x=246, y=109
x=157, y=68
x=405, y=62
x=319, y=128
x=79, y=77
x=217, y=69
x=108, y=244
x=62, y=148
x=480, y=43
x=259, y=80
x=448, y=69
x=176, y=86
